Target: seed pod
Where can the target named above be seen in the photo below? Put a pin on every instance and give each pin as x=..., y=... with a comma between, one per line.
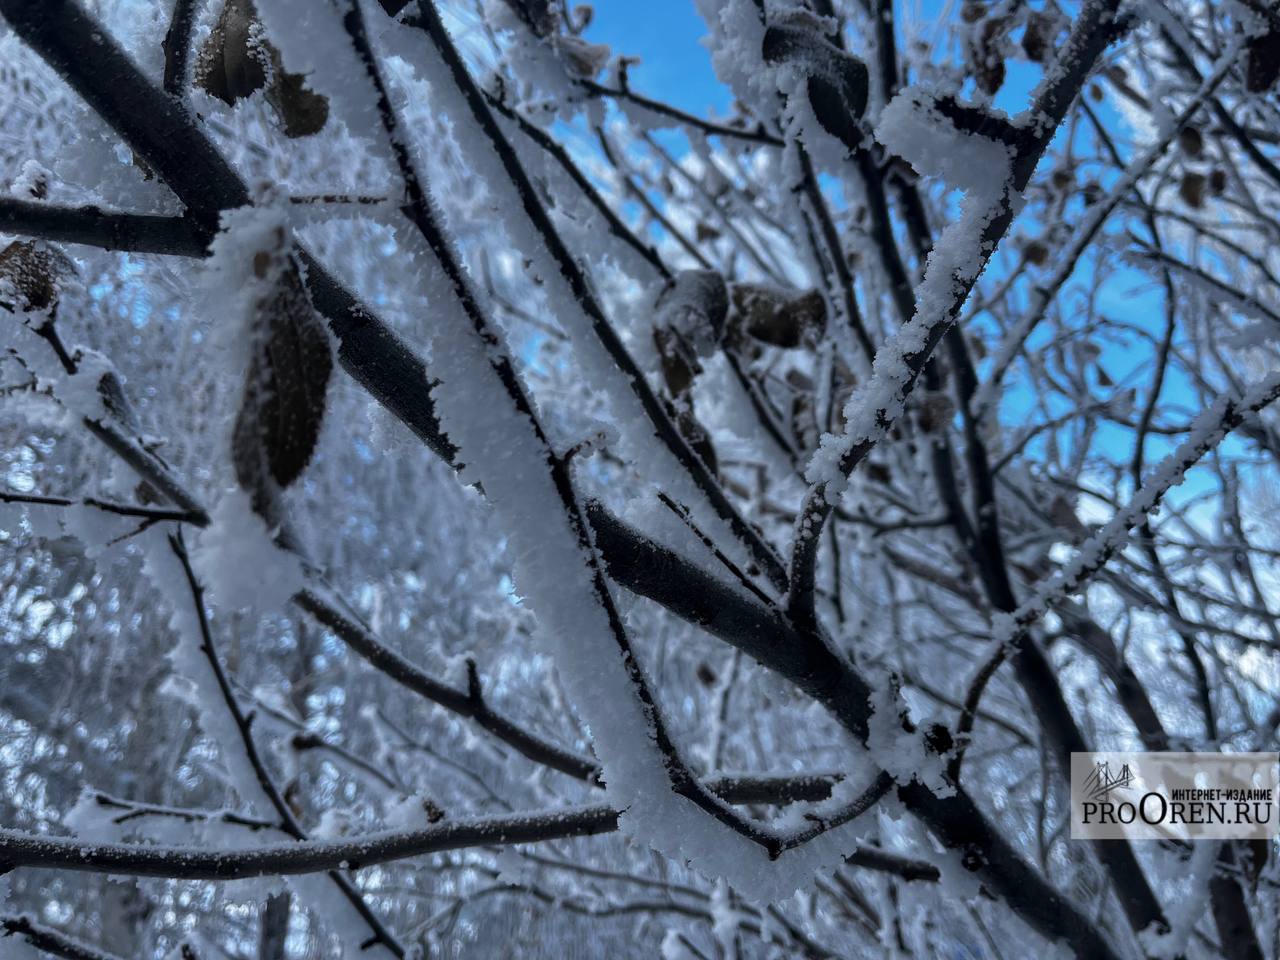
x=34, y=272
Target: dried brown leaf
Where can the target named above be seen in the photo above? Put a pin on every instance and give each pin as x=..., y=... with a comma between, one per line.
x=284, y=397
x=773, y=316
x=238, y=60
x=1262, y=62
x=1192, y=189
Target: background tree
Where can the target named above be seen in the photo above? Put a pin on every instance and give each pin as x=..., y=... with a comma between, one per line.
x=460, y=505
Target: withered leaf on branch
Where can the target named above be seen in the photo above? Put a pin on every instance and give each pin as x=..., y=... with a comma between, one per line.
x=936, y=410
x=232, y=64
x=689, y=317
x=1262, y=61
x=689, y=322
x=302, y=111
x=680, y=367
x=877, y=472
x=562, y=29
x=1036, y=252
x=987, y=55
x=282, y=409
x=583, y=59
x=33, y=271
x=836, y=80
x=679, y=361
x=773, y=316
x=1061, y=513
x=1192, y=189
x=1040, y=36
x=238, y=60
x=694, y=303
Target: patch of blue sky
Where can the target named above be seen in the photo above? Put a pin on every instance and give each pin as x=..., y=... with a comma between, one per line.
x=666, y=36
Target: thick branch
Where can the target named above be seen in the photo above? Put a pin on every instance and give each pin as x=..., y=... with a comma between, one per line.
x=312, y=856
x=422, y=214
x=135, y=232
x=583, y=294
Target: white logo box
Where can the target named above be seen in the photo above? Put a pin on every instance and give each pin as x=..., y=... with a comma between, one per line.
x=1175, y=796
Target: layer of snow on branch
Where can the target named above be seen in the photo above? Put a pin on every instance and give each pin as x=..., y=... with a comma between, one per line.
x=912, y=127
x=238, y=560
x=637, y=442
x=501, y=452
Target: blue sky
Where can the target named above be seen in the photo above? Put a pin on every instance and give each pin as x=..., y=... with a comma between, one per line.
x=675, y=67
x=665, y=34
